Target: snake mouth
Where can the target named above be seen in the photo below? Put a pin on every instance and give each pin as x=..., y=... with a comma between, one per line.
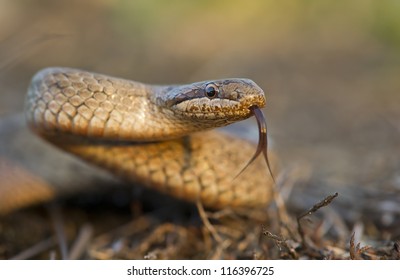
x=219, y=109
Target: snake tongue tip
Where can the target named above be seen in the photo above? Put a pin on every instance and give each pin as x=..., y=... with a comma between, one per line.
x=263, y=139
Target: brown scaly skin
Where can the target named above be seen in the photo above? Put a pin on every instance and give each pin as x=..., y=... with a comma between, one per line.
x=200, y=166
x=107, y=121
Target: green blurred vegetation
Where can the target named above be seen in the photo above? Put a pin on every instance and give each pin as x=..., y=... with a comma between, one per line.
x=378, y=20
x=386, y=22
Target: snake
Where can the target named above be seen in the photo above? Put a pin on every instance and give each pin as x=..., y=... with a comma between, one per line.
x=157, y=136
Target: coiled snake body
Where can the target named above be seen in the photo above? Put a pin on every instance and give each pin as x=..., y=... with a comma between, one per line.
x=157, y=136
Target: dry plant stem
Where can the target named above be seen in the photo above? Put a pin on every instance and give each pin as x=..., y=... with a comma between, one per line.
x=356, y=251
x=353, y=249
x=221, y=244
x=172, y=245
x=280, y=241
x=81, y=243
x=52, y=255
x=220, y=250
x=159, y=235
x=56, y=218
x=206, y=222
x=156, y=236
x=326, y=201
x=396, y=250
x=35, y=249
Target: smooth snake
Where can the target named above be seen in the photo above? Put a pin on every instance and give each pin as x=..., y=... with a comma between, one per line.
x=155, y=136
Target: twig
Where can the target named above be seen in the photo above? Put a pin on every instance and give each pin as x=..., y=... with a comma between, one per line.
x=85, y=234
x=396, y=250
x=354, y=249
x=56, y=217
x=35, y=249
x=326, y=201
x=52, y=255
x=206, y=222
x=280, y=241
x=357, y=251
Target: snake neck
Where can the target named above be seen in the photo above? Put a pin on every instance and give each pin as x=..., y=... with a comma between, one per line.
x=63, y=101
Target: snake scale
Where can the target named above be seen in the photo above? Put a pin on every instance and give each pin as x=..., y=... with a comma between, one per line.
x=155, y=136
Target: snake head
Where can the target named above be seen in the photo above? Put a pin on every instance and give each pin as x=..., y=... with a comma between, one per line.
x=226, y=100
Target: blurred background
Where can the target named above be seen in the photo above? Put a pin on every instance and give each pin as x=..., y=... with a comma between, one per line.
x=330, y=69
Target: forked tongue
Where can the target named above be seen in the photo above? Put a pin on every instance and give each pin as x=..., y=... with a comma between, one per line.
x=262, y=146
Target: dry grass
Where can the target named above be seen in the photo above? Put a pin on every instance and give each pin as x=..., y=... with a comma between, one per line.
x=174, y=230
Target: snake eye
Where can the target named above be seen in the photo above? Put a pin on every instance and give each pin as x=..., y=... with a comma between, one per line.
x=211, y=90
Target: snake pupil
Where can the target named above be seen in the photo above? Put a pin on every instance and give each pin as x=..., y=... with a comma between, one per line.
x=211, y=90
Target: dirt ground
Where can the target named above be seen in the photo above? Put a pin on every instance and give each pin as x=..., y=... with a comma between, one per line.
x=330, y=72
